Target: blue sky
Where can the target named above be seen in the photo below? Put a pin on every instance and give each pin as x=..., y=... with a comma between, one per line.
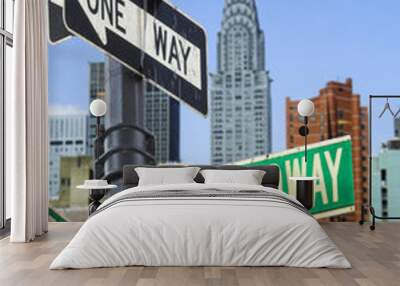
x=308, y=43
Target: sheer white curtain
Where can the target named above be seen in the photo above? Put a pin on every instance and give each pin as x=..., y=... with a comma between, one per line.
x=26, y=127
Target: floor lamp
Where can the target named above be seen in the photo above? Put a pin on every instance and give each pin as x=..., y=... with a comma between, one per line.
x=305, y=185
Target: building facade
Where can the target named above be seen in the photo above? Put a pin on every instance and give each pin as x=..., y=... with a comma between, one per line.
x=386, y=180
x=67, y=138
x=161, y=116
x=96, y=90
x=337, y=113
x=240, y=89
x=397, y=127
x=74, y=170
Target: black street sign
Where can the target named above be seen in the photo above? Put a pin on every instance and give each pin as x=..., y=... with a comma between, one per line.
x=57, y=30
x=150, y=37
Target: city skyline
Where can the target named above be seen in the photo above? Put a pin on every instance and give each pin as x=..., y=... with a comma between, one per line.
x=308, y=44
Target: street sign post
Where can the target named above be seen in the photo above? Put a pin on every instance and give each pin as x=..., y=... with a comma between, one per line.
x=57, y=30
x=150, y=37
x=330, y=161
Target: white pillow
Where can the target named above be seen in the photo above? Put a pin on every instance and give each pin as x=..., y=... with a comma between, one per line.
x=166, y=176
x=243, y=177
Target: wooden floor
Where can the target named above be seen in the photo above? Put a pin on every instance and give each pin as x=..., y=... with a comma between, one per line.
x=375, y=257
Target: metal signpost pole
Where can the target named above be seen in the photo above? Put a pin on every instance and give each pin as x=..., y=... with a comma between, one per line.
x=125, y=99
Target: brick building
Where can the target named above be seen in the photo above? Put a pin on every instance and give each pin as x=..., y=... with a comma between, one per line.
x=337, y=113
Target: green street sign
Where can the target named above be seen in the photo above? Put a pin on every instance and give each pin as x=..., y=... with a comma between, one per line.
x=330, y=161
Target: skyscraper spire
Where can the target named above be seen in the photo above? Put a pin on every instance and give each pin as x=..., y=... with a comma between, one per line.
x=249, y=3
x=240, y=25
x=246, y=8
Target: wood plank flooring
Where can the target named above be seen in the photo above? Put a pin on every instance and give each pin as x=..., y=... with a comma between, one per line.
x=375, y=257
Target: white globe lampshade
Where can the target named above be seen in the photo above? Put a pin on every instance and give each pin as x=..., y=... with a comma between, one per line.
x=98, y=108
x=306, y=108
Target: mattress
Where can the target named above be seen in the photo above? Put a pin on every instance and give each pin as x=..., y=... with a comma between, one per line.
x=201, y=225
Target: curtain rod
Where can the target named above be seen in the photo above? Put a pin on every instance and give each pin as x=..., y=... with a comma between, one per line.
x=384, y=96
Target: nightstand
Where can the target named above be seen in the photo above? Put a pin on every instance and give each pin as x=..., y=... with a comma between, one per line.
x=97, y=190
x=305, y=190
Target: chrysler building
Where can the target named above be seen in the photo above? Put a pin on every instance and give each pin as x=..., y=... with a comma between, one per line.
x=240, y=89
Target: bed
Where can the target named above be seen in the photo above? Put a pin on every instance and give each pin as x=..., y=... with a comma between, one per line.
x=198, y=224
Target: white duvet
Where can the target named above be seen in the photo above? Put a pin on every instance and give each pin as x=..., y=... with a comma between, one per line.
x=200, y=232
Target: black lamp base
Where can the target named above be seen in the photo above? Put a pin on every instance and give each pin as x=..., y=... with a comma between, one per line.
x=95, y=196
x=305, y=193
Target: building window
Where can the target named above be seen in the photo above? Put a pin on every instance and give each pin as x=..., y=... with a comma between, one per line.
x=383, y=175
x=340, y=114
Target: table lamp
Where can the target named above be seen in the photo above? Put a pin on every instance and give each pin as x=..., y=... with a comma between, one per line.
x=98, y=109
x=306, y=109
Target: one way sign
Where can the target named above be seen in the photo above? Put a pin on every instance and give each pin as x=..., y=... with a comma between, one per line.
x=152, y=38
